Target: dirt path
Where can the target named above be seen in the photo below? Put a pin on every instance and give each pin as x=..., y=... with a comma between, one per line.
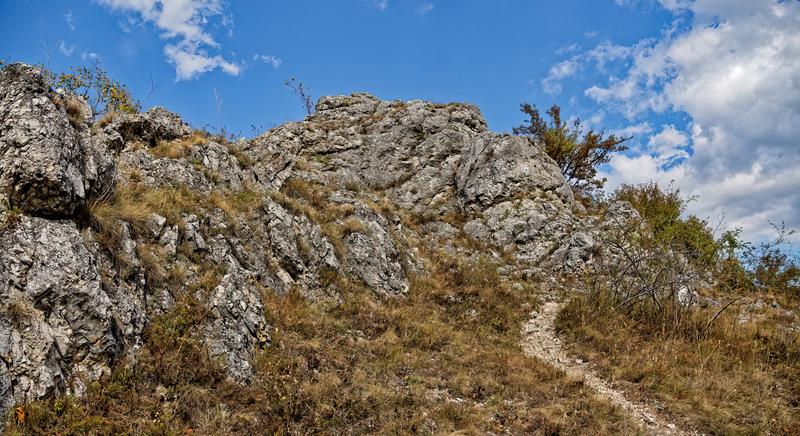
x=541, y=341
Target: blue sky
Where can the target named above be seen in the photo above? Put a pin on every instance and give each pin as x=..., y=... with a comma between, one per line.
x=710, y=89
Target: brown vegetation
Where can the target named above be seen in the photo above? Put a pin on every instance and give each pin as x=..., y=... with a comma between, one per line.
x=445, y=359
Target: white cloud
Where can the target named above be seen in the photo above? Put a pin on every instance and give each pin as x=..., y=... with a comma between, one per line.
x=552, y=83
x=70, y=19
x=272, y=60
x=639, y=129
x=733, y=71
x=667, y=146
x=89, y=56
x=190, y=61
x=598, y=56
x=65, y=49
x=184, y=20
x=425, y=9
x=567, y=49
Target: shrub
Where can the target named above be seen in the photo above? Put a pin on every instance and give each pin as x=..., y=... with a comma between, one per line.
x=771, y=266
x=663, y=210
x=93, y=83
x=577, y=152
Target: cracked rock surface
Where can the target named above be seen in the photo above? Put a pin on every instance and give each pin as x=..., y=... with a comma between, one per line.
x=354, y=190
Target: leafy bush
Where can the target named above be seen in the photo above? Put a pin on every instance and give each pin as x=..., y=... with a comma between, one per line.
x=663, y=210
x=577, y=152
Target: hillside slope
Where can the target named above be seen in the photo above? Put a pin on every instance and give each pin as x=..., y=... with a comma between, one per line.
x=367, y=269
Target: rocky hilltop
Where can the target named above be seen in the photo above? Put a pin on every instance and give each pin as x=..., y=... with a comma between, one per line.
x=108, y=225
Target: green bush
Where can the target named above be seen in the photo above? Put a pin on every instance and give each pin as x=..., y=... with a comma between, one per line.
x=663, y=210
x=737, y=265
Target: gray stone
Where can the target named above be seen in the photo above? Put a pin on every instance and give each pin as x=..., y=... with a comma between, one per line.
x=150, y=127
x=373, y=257
x=169, y=240
x=237, y=326
x=156, y=224
x=59, y=326
x=41, y=157
x=496, y=168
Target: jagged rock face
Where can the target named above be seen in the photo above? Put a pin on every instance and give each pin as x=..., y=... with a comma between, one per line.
x=496, y=167
x=411, y=150
x=237, y=325
x=41, y=159
x=58, y=324
x=155, y=125
x=71, y=306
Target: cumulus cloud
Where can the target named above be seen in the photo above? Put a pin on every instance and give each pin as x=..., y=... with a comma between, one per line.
x=552, y=82
x=634, y=130
x=183, y=21
x=733, y=70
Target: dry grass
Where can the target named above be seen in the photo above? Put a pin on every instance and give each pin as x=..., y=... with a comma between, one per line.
x=243, y=159
x=179, y=148
x=136, y=204
x=106, y=119
x=311, y=199
x=243, y=203
x=74, y=110
x=10, y=217
x=722, y=378
x=18, y=308
x=445, y=359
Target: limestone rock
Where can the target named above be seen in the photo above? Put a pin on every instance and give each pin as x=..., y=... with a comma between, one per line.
x=496, y=167
x=41, y=157
x=410, y=149
x=59, y=325
x=373, y=257
x=150, y=127
x=237, y=326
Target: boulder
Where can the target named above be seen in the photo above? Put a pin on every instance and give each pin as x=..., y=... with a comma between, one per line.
x=495, y=168
x=410, y=150
x=157, y=124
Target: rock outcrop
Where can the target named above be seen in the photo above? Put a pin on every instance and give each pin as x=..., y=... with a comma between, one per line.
x=353, y=191
x=46, y=168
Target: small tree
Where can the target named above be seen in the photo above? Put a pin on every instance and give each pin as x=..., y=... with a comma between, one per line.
x=94, y=84
x=576, y=152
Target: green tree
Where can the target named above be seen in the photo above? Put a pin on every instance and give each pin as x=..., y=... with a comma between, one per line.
x=577, y=152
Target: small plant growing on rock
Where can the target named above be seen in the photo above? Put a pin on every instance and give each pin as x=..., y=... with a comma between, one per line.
x=104, y=94
x=302, y=93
